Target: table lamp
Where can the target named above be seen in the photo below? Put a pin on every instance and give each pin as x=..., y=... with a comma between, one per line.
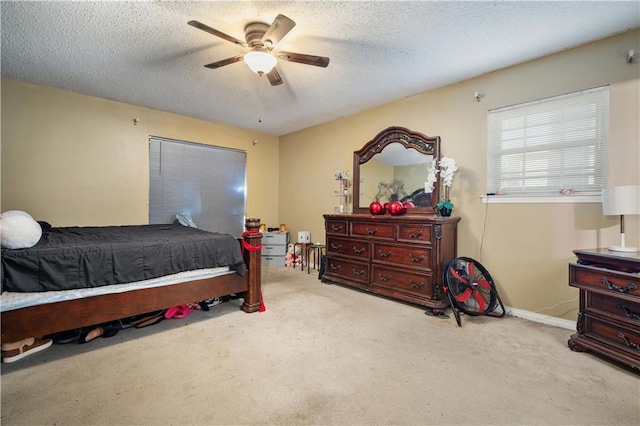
x=621, y=200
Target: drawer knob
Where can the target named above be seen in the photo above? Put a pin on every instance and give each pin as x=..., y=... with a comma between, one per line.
x=628, y=312
x=383, y=254
x=416, y=259
x=370, y=231
x=415, y=234
x=335, y=267
x=336, y=246
x=625, y=289
x=357, y=273
x=628, y=342
x=358, y=250
x=336, y=228
x=384, y=278
x=414, y=284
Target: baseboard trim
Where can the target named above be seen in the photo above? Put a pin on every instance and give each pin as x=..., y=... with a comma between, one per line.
x=544, y=319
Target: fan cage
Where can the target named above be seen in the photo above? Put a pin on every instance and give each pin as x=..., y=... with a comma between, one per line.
x=471, y=287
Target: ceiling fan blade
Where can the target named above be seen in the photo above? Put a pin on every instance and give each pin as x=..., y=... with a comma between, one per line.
x=278, y=29
x=318, y=61
x=274, y=77
x=203, y=27
x=224, y=62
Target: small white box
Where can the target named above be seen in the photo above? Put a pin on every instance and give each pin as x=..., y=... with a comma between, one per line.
x=304, y=237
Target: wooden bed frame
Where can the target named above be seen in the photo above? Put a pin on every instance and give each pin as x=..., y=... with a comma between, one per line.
x=40, y=320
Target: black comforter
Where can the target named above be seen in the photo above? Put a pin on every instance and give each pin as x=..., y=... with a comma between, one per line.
x=81, y=257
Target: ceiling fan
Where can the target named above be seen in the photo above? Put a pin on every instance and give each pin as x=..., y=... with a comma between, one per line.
x=261, y=39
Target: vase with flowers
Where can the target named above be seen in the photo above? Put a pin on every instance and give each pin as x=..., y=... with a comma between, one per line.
x=447, y=168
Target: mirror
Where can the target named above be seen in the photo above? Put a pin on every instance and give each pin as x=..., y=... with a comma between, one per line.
x=394, y=165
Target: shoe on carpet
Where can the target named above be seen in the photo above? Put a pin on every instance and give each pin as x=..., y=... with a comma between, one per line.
x=64, y=337
x=151, y=318
x=177, y=312
x=109, y=329
x=16, y=345
x=88, y=334
x=13, y=355
x=215, y=301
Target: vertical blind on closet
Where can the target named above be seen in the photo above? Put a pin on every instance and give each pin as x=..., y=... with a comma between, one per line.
x=550, y=146
x=204, y=181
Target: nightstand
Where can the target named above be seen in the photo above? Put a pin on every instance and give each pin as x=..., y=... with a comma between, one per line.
x=609, y=318
x=274, y=248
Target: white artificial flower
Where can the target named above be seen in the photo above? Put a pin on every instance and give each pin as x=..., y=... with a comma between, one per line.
x=448, y=168
x=431, y=176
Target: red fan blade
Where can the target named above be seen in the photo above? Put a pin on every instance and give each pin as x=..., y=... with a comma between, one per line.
x=470, y=269
x=457, y=276
x=480, y=299
x=464, y=296
x=484, y=284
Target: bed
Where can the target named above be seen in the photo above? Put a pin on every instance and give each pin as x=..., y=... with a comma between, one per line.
x=72, y=278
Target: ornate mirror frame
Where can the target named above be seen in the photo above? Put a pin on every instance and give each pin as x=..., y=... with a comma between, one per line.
x=409, y=140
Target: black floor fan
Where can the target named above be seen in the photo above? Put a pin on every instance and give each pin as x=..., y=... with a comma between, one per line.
x=470, y=289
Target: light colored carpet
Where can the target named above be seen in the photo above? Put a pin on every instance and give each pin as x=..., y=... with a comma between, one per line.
x=321, y=354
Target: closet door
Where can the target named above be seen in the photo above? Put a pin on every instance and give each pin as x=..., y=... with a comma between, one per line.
x=205, y=181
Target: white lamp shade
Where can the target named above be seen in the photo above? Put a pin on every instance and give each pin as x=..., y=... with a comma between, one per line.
x=260, y=62
x=621, y=200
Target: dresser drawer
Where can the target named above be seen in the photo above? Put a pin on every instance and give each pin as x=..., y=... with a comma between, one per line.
x=275, y=238
x=413, y=256
x=613, y=307
x=406, y=281
x=273, y=261
x=621, y=337
x=415, y=233
x=347, y=247
x=373, y=230
x=347, y=269
x=593, y=278
x=336, y=227
x=269, y=250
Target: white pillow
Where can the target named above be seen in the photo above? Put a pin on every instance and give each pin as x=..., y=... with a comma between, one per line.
x=15, y=213
x=18, y=230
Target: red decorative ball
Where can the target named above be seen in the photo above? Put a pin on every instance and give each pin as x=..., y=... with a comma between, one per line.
x=376, y=208
x=408, y=205
x=396, y=208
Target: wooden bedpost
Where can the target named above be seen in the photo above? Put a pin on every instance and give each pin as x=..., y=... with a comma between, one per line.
x=252, y=245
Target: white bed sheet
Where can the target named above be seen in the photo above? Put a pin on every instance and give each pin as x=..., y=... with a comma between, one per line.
x=10, y=301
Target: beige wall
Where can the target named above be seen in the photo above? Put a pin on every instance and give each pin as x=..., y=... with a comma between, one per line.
x=71, y=159
x=77, y=160
x=525, y=247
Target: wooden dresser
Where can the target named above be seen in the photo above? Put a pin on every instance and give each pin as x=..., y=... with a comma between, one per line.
x=609, y=318
x=400, y=257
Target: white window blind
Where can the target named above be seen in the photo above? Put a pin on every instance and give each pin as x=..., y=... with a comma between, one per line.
x=553, y=146
x=204, y=181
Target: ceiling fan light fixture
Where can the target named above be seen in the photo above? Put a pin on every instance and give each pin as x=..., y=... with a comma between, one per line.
x=260, y=62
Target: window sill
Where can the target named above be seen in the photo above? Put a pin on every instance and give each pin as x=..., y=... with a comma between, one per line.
x=560, y=199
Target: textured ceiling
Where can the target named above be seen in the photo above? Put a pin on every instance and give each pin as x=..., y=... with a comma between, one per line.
x=144, y=53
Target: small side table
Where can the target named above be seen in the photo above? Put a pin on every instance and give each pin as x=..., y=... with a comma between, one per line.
x=317, y=250
x=303, y=249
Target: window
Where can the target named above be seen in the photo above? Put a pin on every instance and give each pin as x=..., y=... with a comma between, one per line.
x=205, y=181
x=549, y=147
